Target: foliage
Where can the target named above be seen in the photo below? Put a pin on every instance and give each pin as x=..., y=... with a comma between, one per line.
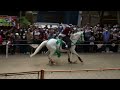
x=24, y=22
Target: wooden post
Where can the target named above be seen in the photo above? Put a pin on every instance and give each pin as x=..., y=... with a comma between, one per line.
x=42, y=74
x=7, y=50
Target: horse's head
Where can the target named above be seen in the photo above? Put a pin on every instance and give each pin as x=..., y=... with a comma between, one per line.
x=77, y=36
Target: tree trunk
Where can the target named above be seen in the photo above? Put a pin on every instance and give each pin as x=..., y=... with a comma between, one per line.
x=118, y=17
x=101, y=16
x=89, y=18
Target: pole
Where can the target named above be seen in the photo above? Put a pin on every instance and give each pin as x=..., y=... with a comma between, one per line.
x=79, y=18
x=42, y=74
x=6, y=50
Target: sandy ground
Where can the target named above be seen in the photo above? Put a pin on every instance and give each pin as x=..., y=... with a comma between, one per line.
x=23, y=63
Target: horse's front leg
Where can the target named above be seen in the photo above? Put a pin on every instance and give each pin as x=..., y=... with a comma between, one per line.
x=69, y=57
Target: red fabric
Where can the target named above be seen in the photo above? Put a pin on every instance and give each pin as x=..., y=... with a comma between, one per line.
x=45, y=37
x=1, y=39
x=66, y=31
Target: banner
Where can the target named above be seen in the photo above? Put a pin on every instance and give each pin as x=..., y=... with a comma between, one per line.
x=8, y=20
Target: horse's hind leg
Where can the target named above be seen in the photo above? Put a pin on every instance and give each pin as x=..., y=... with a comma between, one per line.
x=74, y=52
x=50, y=57
x=48, y=52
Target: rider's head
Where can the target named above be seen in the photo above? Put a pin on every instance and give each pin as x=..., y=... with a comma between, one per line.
x=60, y=26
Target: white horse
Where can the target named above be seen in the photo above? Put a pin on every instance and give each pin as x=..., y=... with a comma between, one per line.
x=52, y=46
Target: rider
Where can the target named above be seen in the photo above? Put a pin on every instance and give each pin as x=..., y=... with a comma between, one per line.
x=65, y=34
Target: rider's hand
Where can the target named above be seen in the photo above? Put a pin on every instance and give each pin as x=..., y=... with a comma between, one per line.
x=66, y=46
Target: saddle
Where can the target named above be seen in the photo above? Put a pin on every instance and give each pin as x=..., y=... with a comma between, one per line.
x=63, y=44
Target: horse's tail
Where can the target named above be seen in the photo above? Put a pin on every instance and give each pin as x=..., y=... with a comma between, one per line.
x=39, y=48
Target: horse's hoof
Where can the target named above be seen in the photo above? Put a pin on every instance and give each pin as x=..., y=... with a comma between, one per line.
x=54, y=63
x=50, y=63
x=70, y=62
x=82, y=62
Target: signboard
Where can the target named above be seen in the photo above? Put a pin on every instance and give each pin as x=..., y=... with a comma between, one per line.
x=8, y=20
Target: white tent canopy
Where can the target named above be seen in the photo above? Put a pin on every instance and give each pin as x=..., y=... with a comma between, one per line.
x=42, y=25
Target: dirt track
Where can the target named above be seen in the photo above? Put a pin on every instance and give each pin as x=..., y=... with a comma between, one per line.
x=23, y=63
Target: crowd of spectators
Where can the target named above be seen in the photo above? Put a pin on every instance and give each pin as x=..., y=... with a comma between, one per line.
x=97, y=38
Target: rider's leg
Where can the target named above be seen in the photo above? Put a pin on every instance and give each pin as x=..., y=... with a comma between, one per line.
x=68, y=42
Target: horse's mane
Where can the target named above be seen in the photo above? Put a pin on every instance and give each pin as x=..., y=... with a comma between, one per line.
x=79, y=32
x=76, y=35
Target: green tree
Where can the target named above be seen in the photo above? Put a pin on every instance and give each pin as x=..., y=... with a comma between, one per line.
x=24, y=22
x=29, y=16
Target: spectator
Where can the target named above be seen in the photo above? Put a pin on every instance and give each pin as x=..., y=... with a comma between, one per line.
x=1, y=41
x=114, y=42
x=106, y=38
x=23, y=47
x=87, y=35
x=91, y=39
x=11, y=39
x=107, y=35
x=17, y=42
x=29, y=38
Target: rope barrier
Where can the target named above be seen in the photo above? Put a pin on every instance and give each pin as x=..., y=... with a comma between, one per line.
x=19, y=73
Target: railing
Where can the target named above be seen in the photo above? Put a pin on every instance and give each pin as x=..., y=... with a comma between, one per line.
x=23, y=75
x=7, y=46
x=106, y=73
